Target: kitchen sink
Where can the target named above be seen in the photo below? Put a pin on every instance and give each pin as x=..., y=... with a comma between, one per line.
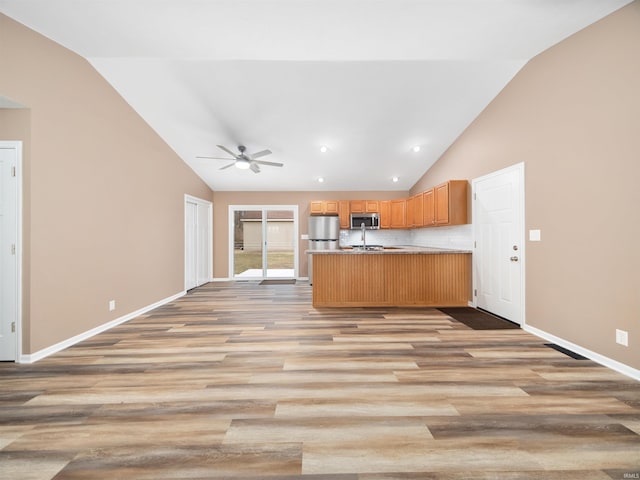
x=373, y=248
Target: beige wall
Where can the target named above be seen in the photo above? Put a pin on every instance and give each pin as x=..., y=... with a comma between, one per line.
x=573, y=116
x=104, y=195
x=222, y=200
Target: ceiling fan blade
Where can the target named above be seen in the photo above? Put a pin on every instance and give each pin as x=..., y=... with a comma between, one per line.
x=273, y=164
x=227, y=166
x=222, y=147
x=261, y=153
x=216, y=158
x=254, y=167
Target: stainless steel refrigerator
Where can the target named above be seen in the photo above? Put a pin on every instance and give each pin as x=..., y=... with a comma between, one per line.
x=324, y=234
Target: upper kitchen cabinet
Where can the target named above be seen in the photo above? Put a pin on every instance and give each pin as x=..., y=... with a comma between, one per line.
x=428, y=208
x=399, y=213
x=324, y=207
x=371, y=206
x=385, y=213
x=345, y=214
x=356, y=206
x=364, y=206
x=415, y=210
x=450, y=203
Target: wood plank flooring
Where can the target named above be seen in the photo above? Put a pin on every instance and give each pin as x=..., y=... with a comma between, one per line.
x=249, y=381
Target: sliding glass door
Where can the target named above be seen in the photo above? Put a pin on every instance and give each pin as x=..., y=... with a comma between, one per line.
x=263, y=241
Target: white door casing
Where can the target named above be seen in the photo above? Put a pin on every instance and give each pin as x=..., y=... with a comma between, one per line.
x=197, y=242
x=499, y=253
x=10, y=249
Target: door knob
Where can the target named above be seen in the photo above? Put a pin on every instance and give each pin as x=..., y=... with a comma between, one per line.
x=514, y=259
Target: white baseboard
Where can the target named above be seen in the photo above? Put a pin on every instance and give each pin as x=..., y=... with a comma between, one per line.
x=45, y=352
x=596, y=357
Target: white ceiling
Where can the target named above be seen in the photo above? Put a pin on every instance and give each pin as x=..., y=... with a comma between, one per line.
x=368, y=78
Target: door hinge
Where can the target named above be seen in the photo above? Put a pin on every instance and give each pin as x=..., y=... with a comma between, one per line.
x=474, y=195
x=13, y=327
x=13, y=249
x=475, y=244
x=475, y=292
x=13, y=171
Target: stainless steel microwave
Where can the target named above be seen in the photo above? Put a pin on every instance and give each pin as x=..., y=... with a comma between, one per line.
x=371, y=221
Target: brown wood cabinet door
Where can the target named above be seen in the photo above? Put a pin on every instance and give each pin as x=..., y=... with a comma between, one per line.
x=418, y=209
x=331, y=206
x=399, y=213
x=428, y=208
x=442, y=204
x=356, y=206
x=372, y=206
x=316, y=207
x=345, y=214
x=409, y=221
x=385, y=214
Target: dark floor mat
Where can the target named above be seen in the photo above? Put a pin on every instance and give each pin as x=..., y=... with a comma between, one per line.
x=278, y=282
x=477, y=319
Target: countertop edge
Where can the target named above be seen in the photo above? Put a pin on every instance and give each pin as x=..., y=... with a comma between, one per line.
x=401, y=250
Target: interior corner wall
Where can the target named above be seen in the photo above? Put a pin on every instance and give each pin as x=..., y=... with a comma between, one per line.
x=572, y=115
x=103, y=194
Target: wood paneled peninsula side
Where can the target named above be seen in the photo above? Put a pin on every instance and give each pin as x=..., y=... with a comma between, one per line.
x=397, y=276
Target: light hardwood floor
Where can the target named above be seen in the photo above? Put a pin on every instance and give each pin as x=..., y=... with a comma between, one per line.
x=249, y=381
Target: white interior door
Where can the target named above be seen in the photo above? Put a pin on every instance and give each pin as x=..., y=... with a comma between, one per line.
x=191, y=245
x=498, y=220
x=197, y=242
x=8, y=251
x=203, y=247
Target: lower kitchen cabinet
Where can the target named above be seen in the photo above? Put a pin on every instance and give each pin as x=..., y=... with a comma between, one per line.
x=369, y=280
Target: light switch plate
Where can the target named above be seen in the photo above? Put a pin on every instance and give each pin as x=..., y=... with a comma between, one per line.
x=622, y=337
x=534, y=235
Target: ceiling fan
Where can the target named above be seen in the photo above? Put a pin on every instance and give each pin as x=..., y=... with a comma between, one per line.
x=245, y=161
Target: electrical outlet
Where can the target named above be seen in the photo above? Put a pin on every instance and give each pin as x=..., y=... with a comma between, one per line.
x=622, y=337
x=112, y=305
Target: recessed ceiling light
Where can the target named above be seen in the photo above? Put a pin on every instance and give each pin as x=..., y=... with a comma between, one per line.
x=395, y=179
x=324, y=149
x=320, y=179
x=416, y=149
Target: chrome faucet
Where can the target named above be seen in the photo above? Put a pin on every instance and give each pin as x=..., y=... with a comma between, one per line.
x=364, y=236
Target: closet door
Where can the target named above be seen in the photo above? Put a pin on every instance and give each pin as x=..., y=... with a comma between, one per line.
x=197, y=242
x=191, y=246
x=203, y=247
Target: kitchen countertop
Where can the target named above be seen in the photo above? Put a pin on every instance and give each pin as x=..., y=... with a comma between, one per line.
x=395, y=250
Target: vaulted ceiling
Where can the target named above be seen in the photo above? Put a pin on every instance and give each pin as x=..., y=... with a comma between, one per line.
x=367, y=79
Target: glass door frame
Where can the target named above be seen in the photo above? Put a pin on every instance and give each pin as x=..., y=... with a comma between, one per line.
x=264, y=209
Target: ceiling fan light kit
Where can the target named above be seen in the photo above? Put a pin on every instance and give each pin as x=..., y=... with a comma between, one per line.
x=243, y=164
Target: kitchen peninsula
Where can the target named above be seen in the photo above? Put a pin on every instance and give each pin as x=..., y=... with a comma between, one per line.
x=395, y=276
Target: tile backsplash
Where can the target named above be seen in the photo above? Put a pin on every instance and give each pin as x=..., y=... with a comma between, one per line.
x=376, y=237
x=459, y=236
